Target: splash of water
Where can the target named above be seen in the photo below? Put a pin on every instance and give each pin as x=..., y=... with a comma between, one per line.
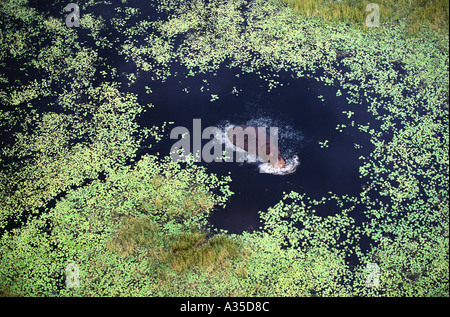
x=289, y=134
x=289, y=168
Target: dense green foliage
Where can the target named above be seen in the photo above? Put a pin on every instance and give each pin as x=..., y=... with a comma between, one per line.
x=74, y=190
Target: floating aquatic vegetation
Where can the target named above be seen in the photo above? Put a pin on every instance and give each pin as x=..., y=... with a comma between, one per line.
x=70, y=171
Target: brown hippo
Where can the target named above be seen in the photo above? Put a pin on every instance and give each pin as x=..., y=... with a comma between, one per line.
x=255, y=141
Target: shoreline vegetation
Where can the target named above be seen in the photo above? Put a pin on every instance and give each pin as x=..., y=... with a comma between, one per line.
x=76, y=192
x=417, y=13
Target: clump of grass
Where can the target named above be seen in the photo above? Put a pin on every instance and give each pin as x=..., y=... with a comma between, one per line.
x=434, y=13
x=134, y=234
x=181, y=251
x=196, y=203
x=418, y=13
x=6, y=291
x=194, y=249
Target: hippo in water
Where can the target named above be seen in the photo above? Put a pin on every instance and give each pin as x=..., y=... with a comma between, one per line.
x=255, y=141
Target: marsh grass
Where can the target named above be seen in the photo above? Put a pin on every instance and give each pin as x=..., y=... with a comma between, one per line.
x=181, y=251
x=418, y=13
x=195, y=249
x=134, y=234
x=6, y=291
x=198, y=203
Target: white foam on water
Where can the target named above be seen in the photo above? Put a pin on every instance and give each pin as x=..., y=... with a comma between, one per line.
x=287, y=134
x=289, y=168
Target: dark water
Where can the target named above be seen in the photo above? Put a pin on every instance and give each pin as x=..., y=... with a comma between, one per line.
x=302, y=120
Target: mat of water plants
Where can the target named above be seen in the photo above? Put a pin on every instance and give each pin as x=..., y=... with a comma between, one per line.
x=93, y=204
